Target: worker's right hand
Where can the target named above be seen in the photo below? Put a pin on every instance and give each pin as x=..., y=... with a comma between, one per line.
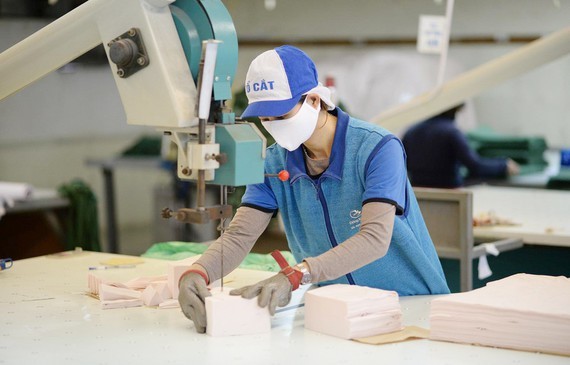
x=513, y=168
x=192, y=298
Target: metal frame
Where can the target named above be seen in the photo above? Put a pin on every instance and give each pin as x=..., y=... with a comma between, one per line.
x=448, y=215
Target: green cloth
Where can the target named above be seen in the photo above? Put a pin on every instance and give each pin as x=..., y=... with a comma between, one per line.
x=182, y=250
x=82, y=226
x=560, y=181
x=528, y=152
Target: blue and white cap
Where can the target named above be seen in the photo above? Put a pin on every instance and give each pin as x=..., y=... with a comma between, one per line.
x=277, y=79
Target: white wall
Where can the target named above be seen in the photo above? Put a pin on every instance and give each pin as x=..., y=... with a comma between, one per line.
x=393, y=18
x=49, y=129
x=533, y=104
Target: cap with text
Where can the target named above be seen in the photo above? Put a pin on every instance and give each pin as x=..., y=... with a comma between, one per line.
x=276, y=80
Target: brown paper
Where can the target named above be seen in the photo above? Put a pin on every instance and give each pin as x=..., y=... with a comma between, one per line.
x=408, y=333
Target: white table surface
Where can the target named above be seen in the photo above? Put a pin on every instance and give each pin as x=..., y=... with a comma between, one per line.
x=47, y=319
x=41, y=199
x=542, y=216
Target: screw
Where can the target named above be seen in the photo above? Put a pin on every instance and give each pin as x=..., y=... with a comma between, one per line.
x=132, y=32
x=228, y=78
x=166, y=213
x=120, y=72
x=141, y=61
x=217, y=78
x=186, y=171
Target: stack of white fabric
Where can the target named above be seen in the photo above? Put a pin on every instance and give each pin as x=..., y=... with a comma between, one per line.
x=351, y=311
x=15, y=191
x=10, y=191
x=523, y=312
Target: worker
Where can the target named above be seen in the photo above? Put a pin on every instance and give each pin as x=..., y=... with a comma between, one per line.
x=349, y=212
x=436, y=150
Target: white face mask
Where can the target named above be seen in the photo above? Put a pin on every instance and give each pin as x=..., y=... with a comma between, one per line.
x=290, y=133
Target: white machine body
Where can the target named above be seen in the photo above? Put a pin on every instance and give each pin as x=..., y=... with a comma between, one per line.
x=164, y=96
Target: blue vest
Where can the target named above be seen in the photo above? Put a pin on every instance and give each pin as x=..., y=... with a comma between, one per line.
x=319, y=214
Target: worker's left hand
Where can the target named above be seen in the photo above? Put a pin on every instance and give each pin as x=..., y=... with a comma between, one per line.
x=272, y=292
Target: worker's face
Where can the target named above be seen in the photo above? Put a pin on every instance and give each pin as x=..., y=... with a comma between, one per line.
x=288, y=115
x=295, y=127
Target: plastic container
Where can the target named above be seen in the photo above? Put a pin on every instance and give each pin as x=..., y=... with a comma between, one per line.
x=565, y=157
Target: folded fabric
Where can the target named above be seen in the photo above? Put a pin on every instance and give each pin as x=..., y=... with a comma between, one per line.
x=352, y=311
x=15, y=191
x=526, y=150
x=524, y=312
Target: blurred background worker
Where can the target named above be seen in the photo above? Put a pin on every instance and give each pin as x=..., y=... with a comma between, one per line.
x=436, y=150
x=349, y=212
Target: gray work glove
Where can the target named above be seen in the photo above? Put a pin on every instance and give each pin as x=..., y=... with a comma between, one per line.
x=272, y=292
x=192, y=298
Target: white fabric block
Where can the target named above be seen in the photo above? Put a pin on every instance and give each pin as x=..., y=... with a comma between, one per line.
x=524, y=312
x=108, y=292
x=143, y=282
x=93, y=283
x=352, y=311
x=150, y=297
x=175, y=271
x=232, y=315
x=156, y=293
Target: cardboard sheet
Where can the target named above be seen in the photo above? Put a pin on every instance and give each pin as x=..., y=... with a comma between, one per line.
x=408, y=333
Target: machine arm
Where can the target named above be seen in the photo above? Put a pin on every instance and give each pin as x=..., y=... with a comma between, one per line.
x=479, y=79
x=154, y=48
x=163, y=96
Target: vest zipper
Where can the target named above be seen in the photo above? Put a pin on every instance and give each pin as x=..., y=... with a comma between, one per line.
x=328, y=223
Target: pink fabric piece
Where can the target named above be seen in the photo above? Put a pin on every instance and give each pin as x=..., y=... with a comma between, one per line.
x=524, y=312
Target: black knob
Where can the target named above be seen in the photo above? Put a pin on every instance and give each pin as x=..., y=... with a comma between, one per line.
x=123, y=52
x=222, y=158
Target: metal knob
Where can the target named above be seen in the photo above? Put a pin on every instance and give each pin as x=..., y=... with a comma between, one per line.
x=283, y=175
x=123, y=52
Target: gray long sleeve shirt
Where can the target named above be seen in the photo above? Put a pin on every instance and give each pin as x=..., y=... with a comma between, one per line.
x=367, y=245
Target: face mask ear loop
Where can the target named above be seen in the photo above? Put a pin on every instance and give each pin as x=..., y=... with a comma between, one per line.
x=326, y=120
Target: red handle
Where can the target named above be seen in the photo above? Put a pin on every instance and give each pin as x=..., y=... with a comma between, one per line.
x=280, y=259
x=283, y=175
x=293, y=275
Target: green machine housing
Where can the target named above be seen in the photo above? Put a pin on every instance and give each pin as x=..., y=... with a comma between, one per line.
x=243, y=144
x=245, y=149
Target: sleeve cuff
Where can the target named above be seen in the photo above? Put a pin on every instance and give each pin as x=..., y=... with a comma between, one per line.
x=399, y=208
x=262, y=209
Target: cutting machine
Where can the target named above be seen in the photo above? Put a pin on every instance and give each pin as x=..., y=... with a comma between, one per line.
x=174, y=64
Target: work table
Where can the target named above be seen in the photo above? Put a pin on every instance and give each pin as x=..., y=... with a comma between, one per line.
x=48, y=318
x=541, y=216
